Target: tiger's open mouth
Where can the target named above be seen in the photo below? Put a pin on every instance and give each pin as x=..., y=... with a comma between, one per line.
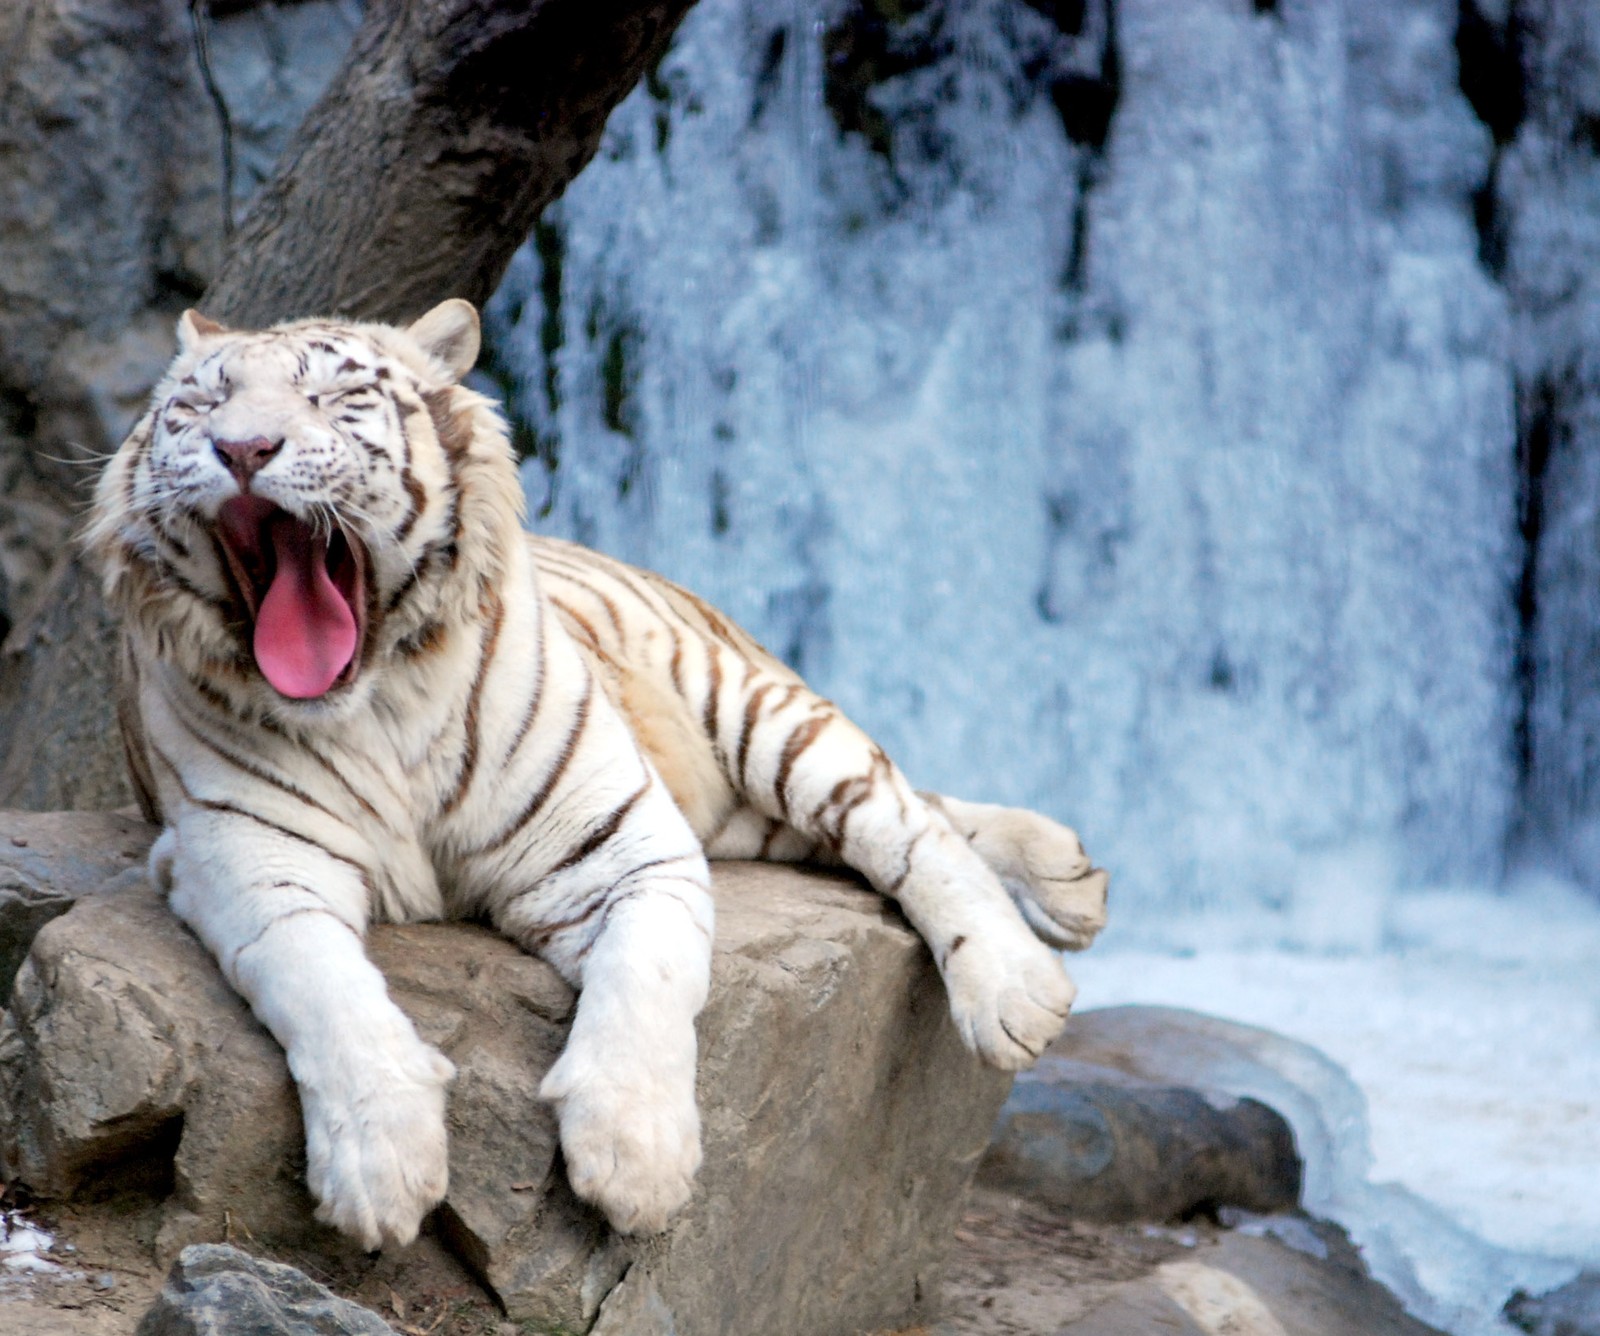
x=304, y=592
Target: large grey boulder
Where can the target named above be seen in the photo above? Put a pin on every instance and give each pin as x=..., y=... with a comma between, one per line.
x=842, y=1117
x=1102, y=1145
x=216, y=1290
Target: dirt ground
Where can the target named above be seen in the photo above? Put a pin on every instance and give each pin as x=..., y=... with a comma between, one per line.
x=1015, y=1269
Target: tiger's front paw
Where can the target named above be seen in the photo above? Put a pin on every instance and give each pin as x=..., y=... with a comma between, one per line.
x=376, y=1150
x=1009, y=995
x=630, y=1134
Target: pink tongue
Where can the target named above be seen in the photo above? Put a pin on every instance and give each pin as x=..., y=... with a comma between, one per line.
x=305, y=631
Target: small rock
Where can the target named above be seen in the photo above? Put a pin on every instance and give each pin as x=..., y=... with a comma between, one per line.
x=216, y=1290
x=105, y=1282
x=1572, y=1310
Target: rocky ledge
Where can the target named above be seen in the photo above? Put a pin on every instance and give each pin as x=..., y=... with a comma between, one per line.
x=842, y=1117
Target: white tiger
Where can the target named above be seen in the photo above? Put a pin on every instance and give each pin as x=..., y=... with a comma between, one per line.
x=356, y=688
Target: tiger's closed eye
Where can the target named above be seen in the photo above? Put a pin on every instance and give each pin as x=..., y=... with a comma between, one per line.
x=325, y=398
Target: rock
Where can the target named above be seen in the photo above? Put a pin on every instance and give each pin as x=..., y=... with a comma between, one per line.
x=215, y=1290
x=1226, y=1061
x=73, y=853
x=1252, y=1287
x=1019, y=1266
x=842, y=1118
x=1101, y=1145
x=32, y=535
x=47, y=860
x=1572, y=1310
x=60, y=745
x=105, y=211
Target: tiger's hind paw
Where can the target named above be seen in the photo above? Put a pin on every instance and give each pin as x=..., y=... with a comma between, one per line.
x=1009, y=997
x=1048, y=876
x=1066, y=911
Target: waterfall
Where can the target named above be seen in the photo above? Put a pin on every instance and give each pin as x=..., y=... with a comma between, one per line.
x=1107, y=405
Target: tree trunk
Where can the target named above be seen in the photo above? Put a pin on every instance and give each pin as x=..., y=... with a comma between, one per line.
x=424, y=167
x=451, y=124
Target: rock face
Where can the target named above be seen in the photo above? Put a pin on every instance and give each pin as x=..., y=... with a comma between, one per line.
x=842, y=1118
x=1101, y=1145
x=215, y=1290
x=47, y=860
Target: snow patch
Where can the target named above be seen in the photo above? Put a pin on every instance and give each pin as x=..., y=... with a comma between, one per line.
x=1454, y=1129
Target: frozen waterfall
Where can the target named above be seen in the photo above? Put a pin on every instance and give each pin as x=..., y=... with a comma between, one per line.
x=1109, y=410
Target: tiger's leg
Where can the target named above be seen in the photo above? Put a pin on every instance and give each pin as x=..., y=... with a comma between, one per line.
x=624, y=1084
x=285, y=920
x=614, y=892
x=795, y=758
x=1041, y=864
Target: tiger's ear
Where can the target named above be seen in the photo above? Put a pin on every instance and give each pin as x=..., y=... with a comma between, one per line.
x=192, y=327
x=449, y=335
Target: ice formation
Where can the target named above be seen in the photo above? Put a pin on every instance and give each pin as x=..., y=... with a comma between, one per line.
x=1160, y=479
x=1115, y=406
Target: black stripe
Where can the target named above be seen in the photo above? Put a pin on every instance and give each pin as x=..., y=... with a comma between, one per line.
x=304, y=748
x=711, y=720
x=752, y=707
x=568, y=748
x=567, y=610
x=774, y=829
x=231, y=809
x=893, y=888
x=611, y=612
x=536, y=696
x=255, y=771
x=602, y=833
x=677, y=662
x=406, y=586
x=541, y=936
x=470, y=741
x=801, y=738
x=570, y=565
x=296, y=912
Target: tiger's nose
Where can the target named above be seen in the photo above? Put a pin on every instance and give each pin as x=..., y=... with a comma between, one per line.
x=245, y=459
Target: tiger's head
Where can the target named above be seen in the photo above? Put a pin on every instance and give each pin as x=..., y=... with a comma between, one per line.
x=301, y=503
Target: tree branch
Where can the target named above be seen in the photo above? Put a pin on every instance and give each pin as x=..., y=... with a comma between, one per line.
x=428, y=160
x=451, y=124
